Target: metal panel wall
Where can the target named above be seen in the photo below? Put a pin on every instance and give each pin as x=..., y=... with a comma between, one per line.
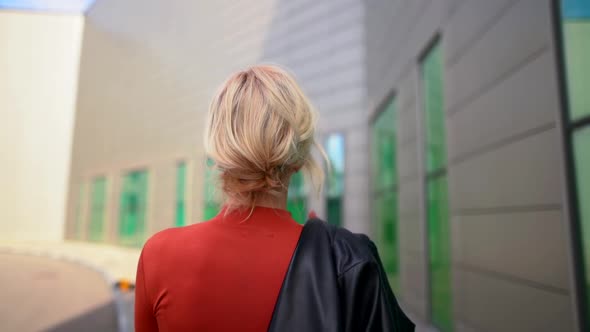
x=322, y=43
x=510, y=249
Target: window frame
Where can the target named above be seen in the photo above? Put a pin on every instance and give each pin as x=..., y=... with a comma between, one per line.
x=90, y=236
x=140, y=236
x=568, y=128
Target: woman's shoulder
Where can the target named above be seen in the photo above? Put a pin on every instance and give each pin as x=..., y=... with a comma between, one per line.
x=349, y=249
x=171, y=238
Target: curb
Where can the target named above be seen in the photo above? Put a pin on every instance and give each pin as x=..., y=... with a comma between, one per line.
x=120, y=288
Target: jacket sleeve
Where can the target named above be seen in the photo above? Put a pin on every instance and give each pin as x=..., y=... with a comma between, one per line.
x=145, y=321
x=369, y=303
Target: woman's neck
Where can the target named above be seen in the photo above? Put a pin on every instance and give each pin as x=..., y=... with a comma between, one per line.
x=272, y=201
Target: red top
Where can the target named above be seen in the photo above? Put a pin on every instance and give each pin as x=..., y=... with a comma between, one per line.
x=221, y=275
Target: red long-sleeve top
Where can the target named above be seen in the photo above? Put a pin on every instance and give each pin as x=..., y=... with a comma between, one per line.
x=221, y=275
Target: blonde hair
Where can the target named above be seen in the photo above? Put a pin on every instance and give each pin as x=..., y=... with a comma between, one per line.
x=260, y=130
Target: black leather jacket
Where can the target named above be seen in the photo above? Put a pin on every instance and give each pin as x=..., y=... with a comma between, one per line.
x=336, y=282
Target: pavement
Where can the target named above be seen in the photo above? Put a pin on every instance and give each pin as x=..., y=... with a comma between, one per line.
x=66, y=286
x=40, y=294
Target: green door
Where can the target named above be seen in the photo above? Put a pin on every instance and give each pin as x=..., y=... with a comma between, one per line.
x=133, y=208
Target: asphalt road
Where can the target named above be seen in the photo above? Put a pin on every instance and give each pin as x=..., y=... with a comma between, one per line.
x=41, y=294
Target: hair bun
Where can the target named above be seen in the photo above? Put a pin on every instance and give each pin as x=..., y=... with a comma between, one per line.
x=241, y=181
x=260, y=128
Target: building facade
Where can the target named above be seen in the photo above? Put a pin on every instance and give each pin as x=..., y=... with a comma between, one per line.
x=38, y=84
x=458, y=132
x=482, y=219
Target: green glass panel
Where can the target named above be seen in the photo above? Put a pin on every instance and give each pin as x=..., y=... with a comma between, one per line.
x=386, y=214
x=298, y=208
x=97, y=209
x=211, y=206
x=210, y=210
x=582, y=164
x=576, y=36
x=133, y=208
x=296, y=198
x=576, y=48
x=575, y=8
x=432, y=83
x=384, y=180
x=79, y=223
x=437, y=201
x=334, y=207
x=384, y=149
x=439, y=252
x=335, y=150
x=297, y=185
x=180, y=194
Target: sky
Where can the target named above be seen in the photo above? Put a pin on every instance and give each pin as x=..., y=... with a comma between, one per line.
x=66, y=6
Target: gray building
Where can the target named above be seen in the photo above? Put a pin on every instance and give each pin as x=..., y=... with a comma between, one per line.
x=458, y=130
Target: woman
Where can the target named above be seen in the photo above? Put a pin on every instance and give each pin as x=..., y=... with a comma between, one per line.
x=252, y=267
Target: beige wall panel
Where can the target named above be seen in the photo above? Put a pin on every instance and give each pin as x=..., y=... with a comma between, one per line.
x=497, y=304
x=39, y=68
x=504, y=243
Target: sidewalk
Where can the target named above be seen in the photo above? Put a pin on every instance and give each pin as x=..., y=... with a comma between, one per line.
x=115, y=263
